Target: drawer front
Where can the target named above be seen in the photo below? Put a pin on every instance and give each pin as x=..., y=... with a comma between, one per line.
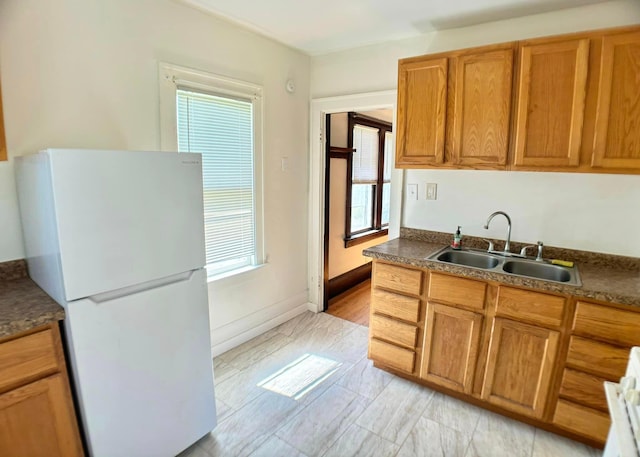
x=391, y=355
x=584, y=421
x=396, y=305
x=457, y=291
x=27, y=358
x=607, y=323
x=534, y=307
x=398, y=278
x=584, y=389
x=391, y=330
x=598, y=358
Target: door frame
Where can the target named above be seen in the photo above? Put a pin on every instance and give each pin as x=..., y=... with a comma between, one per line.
x=320, y=107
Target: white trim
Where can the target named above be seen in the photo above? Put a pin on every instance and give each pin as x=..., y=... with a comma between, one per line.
x=242, y=330
x=319, y=108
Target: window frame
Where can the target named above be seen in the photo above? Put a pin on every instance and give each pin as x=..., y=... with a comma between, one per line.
x=377, y=229
x=170, y=78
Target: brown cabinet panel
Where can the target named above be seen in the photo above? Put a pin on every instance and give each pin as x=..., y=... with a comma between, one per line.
x=529, y=306
x=394, y=331
x=480, y=111
x=457, y=291
x=597, y=358
x=519, y=367
x=37, y=420
x=452, y=342
x=550, y=103
x=396, y=305
x=397, y=278
x=391, y=355
x=422, y=97
x=583, y=388
x=579, y=419
x=617, y=130
x=607, y=323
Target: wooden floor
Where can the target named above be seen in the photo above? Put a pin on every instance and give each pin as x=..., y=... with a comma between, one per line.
x=353, y=304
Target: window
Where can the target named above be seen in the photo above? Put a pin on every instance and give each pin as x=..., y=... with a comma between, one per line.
x=220, y=119
x=368, y=178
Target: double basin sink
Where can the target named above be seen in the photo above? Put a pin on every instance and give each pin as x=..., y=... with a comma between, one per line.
x=510, y=265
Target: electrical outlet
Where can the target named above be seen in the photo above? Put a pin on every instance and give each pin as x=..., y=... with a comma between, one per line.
x=412, y=191
x=432, y=191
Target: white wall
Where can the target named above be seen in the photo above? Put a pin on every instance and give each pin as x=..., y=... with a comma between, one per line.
x=592, y=212
x=84, y=74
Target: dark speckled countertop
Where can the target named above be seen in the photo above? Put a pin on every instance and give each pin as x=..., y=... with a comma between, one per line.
x=23, y=305
x=607, y=278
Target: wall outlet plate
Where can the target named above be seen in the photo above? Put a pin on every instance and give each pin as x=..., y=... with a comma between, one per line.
x=412, y=191
x=432, y=191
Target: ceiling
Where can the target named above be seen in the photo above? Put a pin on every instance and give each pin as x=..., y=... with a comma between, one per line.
x=321, y=27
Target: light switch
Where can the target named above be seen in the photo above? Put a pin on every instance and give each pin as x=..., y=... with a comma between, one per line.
x=432, y=191
x=284, y=163
x=412, y=191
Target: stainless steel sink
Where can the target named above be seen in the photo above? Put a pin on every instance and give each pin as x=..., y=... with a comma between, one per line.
x=469, y=259
x=537, y=270
x=499, y=262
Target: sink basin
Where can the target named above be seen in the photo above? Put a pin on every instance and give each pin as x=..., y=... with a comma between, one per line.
x=469, y=259
x=537, y=270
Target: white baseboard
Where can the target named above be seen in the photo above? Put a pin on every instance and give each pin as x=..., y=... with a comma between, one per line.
x=240, y=331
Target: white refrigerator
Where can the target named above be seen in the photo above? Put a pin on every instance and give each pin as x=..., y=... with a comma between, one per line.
x=117, y=238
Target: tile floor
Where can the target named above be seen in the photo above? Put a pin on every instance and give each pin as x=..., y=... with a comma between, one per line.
x=357, y=411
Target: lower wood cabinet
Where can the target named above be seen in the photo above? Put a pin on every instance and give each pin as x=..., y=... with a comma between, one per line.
x=37, y=417
x=519, y=367
x=452, y=342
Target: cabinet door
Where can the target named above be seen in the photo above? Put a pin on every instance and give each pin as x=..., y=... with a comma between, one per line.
x=481, y=108
x=38, y=420
x=617, y=129
x=551, y=96
x=451, y=346
x=422, y=97
x=519, y=366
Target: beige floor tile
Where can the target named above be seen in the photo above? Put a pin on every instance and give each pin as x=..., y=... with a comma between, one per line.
x=222, y=370
x=453, y=413
x=547, y=444
x=365, y=379
x=254, y=350
x=275, y=447
x=498, y=436
x=223, y=410
x=360, y=442
x=320, y=424
x=351, y=347
x=395, y=411
x=430, y=439
x=194, y=451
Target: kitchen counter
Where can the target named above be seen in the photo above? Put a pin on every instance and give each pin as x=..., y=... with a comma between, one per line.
x=23, y=305
x=602, y=279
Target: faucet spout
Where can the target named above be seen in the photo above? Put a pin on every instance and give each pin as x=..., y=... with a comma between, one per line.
x=507, y=245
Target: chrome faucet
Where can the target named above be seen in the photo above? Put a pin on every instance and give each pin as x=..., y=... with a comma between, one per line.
x=507, y=245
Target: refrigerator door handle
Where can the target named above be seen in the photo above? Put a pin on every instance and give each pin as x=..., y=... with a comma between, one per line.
x=137, y=288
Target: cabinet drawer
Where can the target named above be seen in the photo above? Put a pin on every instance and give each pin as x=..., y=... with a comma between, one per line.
x=579, y=419
x=391, y=330
x=27, y=358
x=528, y=306
x=398, y=278
x=457, y=291
x=607, y=323
x=391, y=355
x=583, y=388
x=598, y=358
x=396, y=305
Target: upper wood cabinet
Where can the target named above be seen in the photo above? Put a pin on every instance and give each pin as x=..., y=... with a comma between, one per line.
x=551, y=93
x=617, y=126
x=422, y=107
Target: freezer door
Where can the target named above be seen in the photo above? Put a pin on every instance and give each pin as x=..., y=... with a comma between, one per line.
x=143, y=368
x=126, y=217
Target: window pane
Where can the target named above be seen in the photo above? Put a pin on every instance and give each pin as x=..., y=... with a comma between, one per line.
x=221, y=128
x=386, y=199
x=361, y=207
x=365, y=158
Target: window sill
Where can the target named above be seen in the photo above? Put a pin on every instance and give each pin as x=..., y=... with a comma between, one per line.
x=232, y=273
x=364, y=237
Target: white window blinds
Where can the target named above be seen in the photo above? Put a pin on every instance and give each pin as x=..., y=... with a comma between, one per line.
x=221, y=128
x=365, y=158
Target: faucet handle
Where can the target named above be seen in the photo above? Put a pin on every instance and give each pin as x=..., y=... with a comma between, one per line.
x=523, y=251
x=490, y=248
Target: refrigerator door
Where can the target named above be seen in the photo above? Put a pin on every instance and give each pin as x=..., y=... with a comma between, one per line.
x=142, y=365
x=125, y=217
